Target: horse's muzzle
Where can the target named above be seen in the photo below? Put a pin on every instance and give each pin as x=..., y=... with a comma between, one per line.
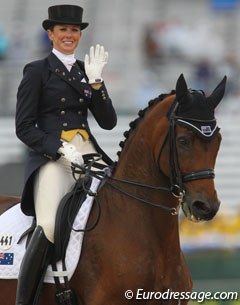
x=200, y=210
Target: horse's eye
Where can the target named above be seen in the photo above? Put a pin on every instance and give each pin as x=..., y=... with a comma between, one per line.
x=184, y=141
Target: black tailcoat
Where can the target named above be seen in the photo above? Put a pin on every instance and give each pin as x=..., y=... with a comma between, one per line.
x=51, y=99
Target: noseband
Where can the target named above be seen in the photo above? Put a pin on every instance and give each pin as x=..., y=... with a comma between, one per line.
x=176, y=178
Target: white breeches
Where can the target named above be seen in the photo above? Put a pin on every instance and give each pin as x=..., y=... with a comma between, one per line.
x=52, y=181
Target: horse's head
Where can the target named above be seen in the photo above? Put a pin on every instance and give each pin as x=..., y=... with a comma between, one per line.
x=194, y=141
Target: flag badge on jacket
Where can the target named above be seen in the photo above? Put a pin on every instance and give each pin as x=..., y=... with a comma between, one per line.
x=6, y=258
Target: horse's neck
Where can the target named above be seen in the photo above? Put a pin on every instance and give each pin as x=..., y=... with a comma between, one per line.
x=137, y=157
x=138, y=166
x=138, y=162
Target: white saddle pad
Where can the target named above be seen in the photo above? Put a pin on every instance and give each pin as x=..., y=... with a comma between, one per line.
x=13, y=223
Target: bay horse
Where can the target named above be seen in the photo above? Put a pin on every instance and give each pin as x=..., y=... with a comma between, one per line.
x=167, y=160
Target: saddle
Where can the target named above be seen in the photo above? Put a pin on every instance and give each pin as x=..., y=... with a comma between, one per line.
x=67, y=211
x=72, y=201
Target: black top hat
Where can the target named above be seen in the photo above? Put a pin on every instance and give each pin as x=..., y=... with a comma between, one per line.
x=64, y=14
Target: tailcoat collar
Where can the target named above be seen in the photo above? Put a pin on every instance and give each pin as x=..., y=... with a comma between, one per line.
x=73, y=78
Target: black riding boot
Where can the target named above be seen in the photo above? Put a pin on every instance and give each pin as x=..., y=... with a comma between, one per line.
x=33, y=268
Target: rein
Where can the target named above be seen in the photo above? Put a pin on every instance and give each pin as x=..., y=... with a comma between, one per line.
x=104, y=174
x=176, y=178
x=172, y=211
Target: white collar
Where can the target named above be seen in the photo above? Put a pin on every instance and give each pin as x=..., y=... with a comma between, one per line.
x=67, y=59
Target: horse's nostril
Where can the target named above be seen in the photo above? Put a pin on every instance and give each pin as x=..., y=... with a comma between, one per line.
x=201, y=207
x=203, y=210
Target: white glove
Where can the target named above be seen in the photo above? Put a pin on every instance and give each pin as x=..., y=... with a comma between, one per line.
x=94, y=64
x=69, y=152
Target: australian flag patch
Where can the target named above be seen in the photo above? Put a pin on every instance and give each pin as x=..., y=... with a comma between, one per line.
x=6, y=258
x=87, y=93
x=206, y=129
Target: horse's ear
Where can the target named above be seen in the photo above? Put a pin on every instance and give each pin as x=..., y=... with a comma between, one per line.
x=218, y=93
x=181, y=87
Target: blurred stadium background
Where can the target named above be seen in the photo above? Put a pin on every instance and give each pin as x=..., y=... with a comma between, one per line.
x=150, y=44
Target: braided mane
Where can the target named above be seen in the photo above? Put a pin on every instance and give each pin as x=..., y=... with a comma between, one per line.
x=133, y=124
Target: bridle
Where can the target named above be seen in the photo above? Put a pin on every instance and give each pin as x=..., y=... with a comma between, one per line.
x=177, y=180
